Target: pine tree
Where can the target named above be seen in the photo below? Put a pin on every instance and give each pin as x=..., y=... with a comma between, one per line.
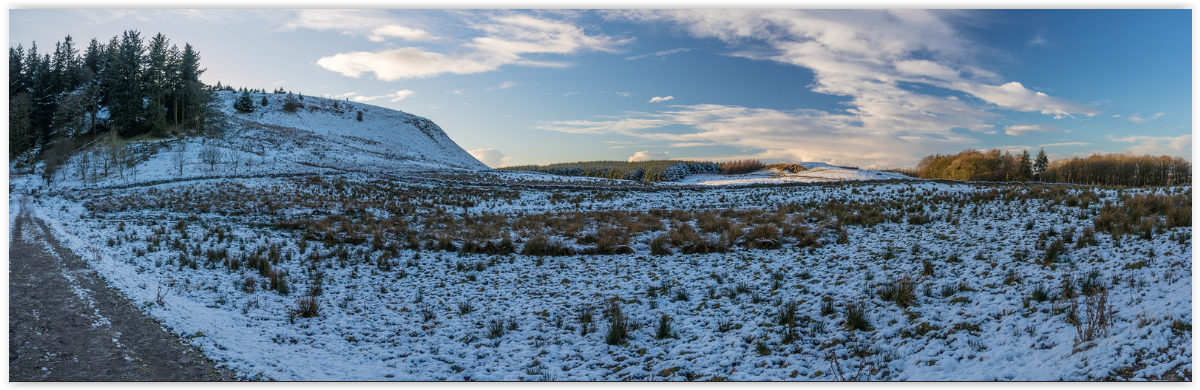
x=1040, y=164
x=264, y=101
x=16, y=75
x=360, y=116
x=1025, y=167
x=125, y=101
x=244, y=103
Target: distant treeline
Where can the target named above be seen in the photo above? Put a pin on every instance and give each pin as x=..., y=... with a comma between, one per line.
x=1121, y=170
x=646, y=171
x=1099, y=169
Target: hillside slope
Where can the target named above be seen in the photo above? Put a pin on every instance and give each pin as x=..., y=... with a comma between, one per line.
x=384, y=138
x=311, y=139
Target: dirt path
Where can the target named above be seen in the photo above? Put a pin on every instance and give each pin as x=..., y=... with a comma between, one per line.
x=65, y=324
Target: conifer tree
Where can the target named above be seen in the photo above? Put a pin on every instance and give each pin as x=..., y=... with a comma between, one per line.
x=1040, y=164
x=125, y=99
x=244, y=103
x=1025, y=167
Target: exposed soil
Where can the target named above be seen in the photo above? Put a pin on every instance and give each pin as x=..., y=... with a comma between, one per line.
x=65, y=324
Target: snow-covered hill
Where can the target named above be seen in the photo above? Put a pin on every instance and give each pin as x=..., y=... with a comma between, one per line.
x=333, y=136
x=316, y=137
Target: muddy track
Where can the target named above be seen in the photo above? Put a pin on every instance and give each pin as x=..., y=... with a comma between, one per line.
x=65, y=324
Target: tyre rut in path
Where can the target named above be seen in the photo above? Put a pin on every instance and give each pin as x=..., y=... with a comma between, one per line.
x=65, y=324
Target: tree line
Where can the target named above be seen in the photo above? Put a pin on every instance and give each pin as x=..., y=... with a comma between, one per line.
x=1098, y=169
x=127, y=85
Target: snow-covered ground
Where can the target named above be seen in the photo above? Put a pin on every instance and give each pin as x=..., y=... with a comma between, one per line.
x=404, y=315
x=816, y=173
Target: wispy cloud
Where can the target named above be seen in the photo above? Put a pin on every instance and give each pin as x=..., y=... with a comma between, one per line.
x=657, y=99
x=625, y=94
x=1022, y=129
x=394, y=95
x=663, y=53
x=872, y=57
x=375, y=25
x=1039, y=40
x=1066, y=144
x=1174, y=146
x=646, y=155
x=506, y=40
x=504, y=85
x=1138, y=119
x=803, y=135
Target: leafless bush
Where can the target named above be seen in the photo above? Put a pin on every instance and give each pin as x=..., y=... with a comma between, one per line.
x=1097, y=316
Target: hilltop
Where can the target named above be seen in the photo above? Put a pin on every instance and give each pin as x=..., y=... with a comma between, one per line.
x=316, y=135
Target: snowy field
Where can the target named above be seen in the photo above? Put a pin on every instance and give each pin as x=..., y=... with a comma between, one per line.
x=816, y=173
x=357, y=277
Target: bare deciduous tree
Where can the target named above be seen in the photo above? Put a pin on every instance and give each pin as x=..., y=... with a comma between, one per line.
x=179, y=157
x=210, y=155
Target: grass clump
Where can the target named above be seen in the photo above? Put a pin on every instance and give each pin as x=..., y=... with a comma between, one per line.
x=618, y=328
x=664, y=330
x=308, y=307
x=902, y=291
x=856, y=316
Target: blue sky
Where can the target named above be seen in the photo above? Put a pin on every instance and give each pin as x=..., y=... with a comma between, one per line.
x=862, y=87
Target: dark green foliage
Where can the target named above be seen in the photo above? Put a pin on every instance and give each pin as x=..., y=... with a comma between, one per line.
x=360, y=116
x=244, y=103
x=264, y=101
x=291, y=104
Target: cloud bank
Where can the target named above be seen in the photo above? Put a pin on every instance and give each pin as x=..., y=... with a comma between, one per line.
x=872, y=57
x=490, y=157
x=506, y=40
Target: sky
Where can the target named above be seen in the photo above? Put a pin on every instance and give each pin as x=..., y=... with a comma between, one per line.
x=872, y=88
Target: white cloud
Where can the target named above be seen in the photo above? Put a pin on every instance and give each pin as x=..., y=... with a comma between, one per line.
x=1138, y=119
x=1038, y=41
x=405, y=33
x=1174, y=146
x=662, y=53
x=1022, y=129
x=646, y=155
x=800, y=135
x=657, y=99
x=625, y=94
x=354, y=96
x=371, y=23
x=401, y=95
x=406, y=63
x=871, y=57
x=490, y=157
x=1014, y=96
x=507, y=39
x=504, y=85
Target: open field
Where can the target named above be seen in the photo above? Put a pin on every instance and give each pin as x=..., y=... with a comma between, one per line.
x=439, y=277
